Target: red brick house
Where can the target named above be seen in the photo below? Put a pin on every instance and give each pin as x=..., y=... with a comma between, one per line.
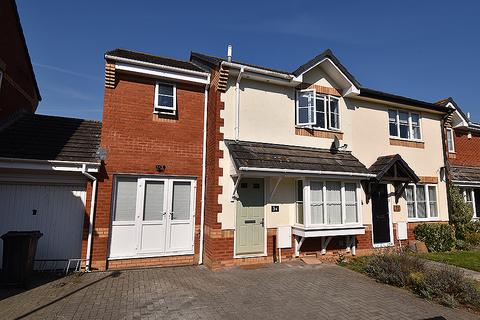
x=462, y=144
x=18, y=86
x=149, y=202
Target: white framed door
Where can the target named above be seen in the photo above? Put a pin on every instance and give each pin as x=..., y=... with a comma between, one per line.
x=152, y=217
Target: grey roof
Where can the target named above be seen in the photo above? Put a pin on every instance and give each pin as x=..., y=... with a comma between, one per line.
x=214, y=61
x=383, y=165
x=460, y=173
x=43, y=137
x=276, y=156
x=145, y=57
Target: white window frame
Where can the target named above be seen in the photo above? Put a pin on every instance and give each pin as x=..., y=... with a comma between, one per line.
x=452, y=149
x=165, y=109
x=298, y=202
x=327, y=116
x=307, y=204
x=472, y=197
x=410, y=125
x=427, y=202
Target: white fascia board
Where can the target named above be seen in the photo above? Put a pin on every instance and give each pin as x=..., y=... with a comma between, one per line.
x=327, y=231
x=161, y=73
x=466, y=183
x=53, y=165
x=299, y=172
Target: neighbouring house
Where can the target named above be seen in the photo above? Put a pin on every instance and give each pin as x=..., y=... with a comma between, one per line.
x=46, y=162
x=18, y=86
x=149, y=208
x=462, y=143
x=346, y=167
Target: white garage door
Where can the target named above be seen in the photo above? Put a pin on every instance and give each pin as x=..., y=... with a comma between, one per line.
x=57, y=211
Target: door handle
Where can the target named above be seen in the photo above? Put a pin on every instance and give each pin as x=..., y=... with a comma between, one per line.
x=171, y=215
x=262, y=223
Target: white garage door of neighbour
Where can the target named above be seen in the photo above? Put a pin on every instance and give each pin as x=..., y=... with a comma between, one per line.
x=152, y=217
x=57, y=211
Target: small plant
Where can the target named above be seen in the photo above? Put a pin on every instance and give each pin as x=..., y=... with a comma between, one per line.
x=461, y=213
x=394, y=269
x=463, y=245
x=447, y=286
x=437, y=237
x=473, y=226
x=473, y=238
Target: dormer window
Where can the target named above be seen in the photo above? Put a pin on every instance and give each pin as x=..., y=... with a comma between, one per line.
x=318, y=111
x=165, y=98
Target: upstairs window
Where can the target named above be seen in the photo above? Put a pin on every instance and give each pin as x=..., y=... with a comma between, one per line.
x=450, y=145
x=165, y=98
x=403, y=124
x=317, y=110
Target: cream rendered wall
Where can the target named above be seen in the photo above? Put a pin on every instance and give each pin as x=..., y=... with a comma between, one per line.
x=267, y=114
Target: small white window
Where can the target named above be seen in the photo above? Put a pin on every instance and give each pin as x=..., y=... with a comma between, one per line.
x=317, y=110
x=421, y=201
x=403, y=124
x=450, y=143
x=165, y=98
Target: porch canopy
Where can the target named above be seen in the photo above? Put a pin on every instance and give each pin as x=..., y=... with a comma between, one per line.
x=266, y=159
x=391, y=169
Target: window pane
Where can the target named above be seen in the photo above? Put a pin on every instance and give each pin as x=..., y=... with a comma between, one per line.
x=416, y=133
x=432, y=196
x=165, y=101
x=316, y=199
x=404, y=127
x=126, y=199
x=302, y=115
x=334, y=113
x=334, y=205
x=300, y=212
x=153, y=209
x=165, y=89
x=181, y=200
x=415, y=119
x=393, y=129
x=306, y=113
x=351, y=203
x=421, y=204
x=299, y=190
x=320, y=112
x=450, y=140
x=410, y=201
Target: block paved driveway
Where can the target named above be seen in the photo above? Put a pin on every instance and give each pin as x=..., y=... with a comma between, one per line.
x=287, y=291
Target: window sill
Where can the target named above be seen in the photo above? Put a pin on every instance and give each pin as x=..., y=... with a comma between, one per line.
x=436, y=219
x=407, y=143
x=328, y=230
x=318, y=132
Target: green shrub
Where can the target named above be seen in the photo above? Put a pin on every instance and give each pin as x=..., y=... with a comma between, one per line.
x=437, y=237
x=394, y=269
x=460, y=213
x=473, y=238
x=473, y=226
x=462, y=245
x=447, y=286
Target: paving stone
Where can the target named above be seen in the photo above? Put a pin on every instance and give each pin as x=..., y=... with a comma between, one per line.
x=287, y=291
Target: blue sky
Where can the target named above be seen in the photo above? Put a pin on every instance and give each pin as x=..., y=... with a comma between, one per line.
x=421, y=49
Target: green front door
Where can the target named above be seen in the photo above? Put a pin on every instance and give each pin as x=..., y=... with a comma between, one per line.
x=250, y=217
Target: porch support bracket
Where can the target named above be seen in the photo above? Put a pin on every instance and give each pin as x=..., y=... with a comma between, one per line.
x=324, y=241
x=275, y=188
x=234, y=193
x=298, y=244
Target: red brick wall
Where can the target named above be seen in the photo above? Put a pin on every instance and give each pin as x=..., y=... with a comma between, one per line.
x=466, y=150
x=15, y=64
x=137, y=140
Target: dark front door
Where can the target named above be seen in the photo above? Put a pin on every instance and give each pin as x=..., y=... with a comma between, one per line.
x=380, y=219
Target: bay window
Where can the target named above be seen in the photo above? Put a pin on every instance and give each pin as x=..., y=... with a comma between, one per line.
x=421, y=201
x=299, y=201
x=404, y=124
x=330, y=203
x=471, y=196
x=317, y=110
